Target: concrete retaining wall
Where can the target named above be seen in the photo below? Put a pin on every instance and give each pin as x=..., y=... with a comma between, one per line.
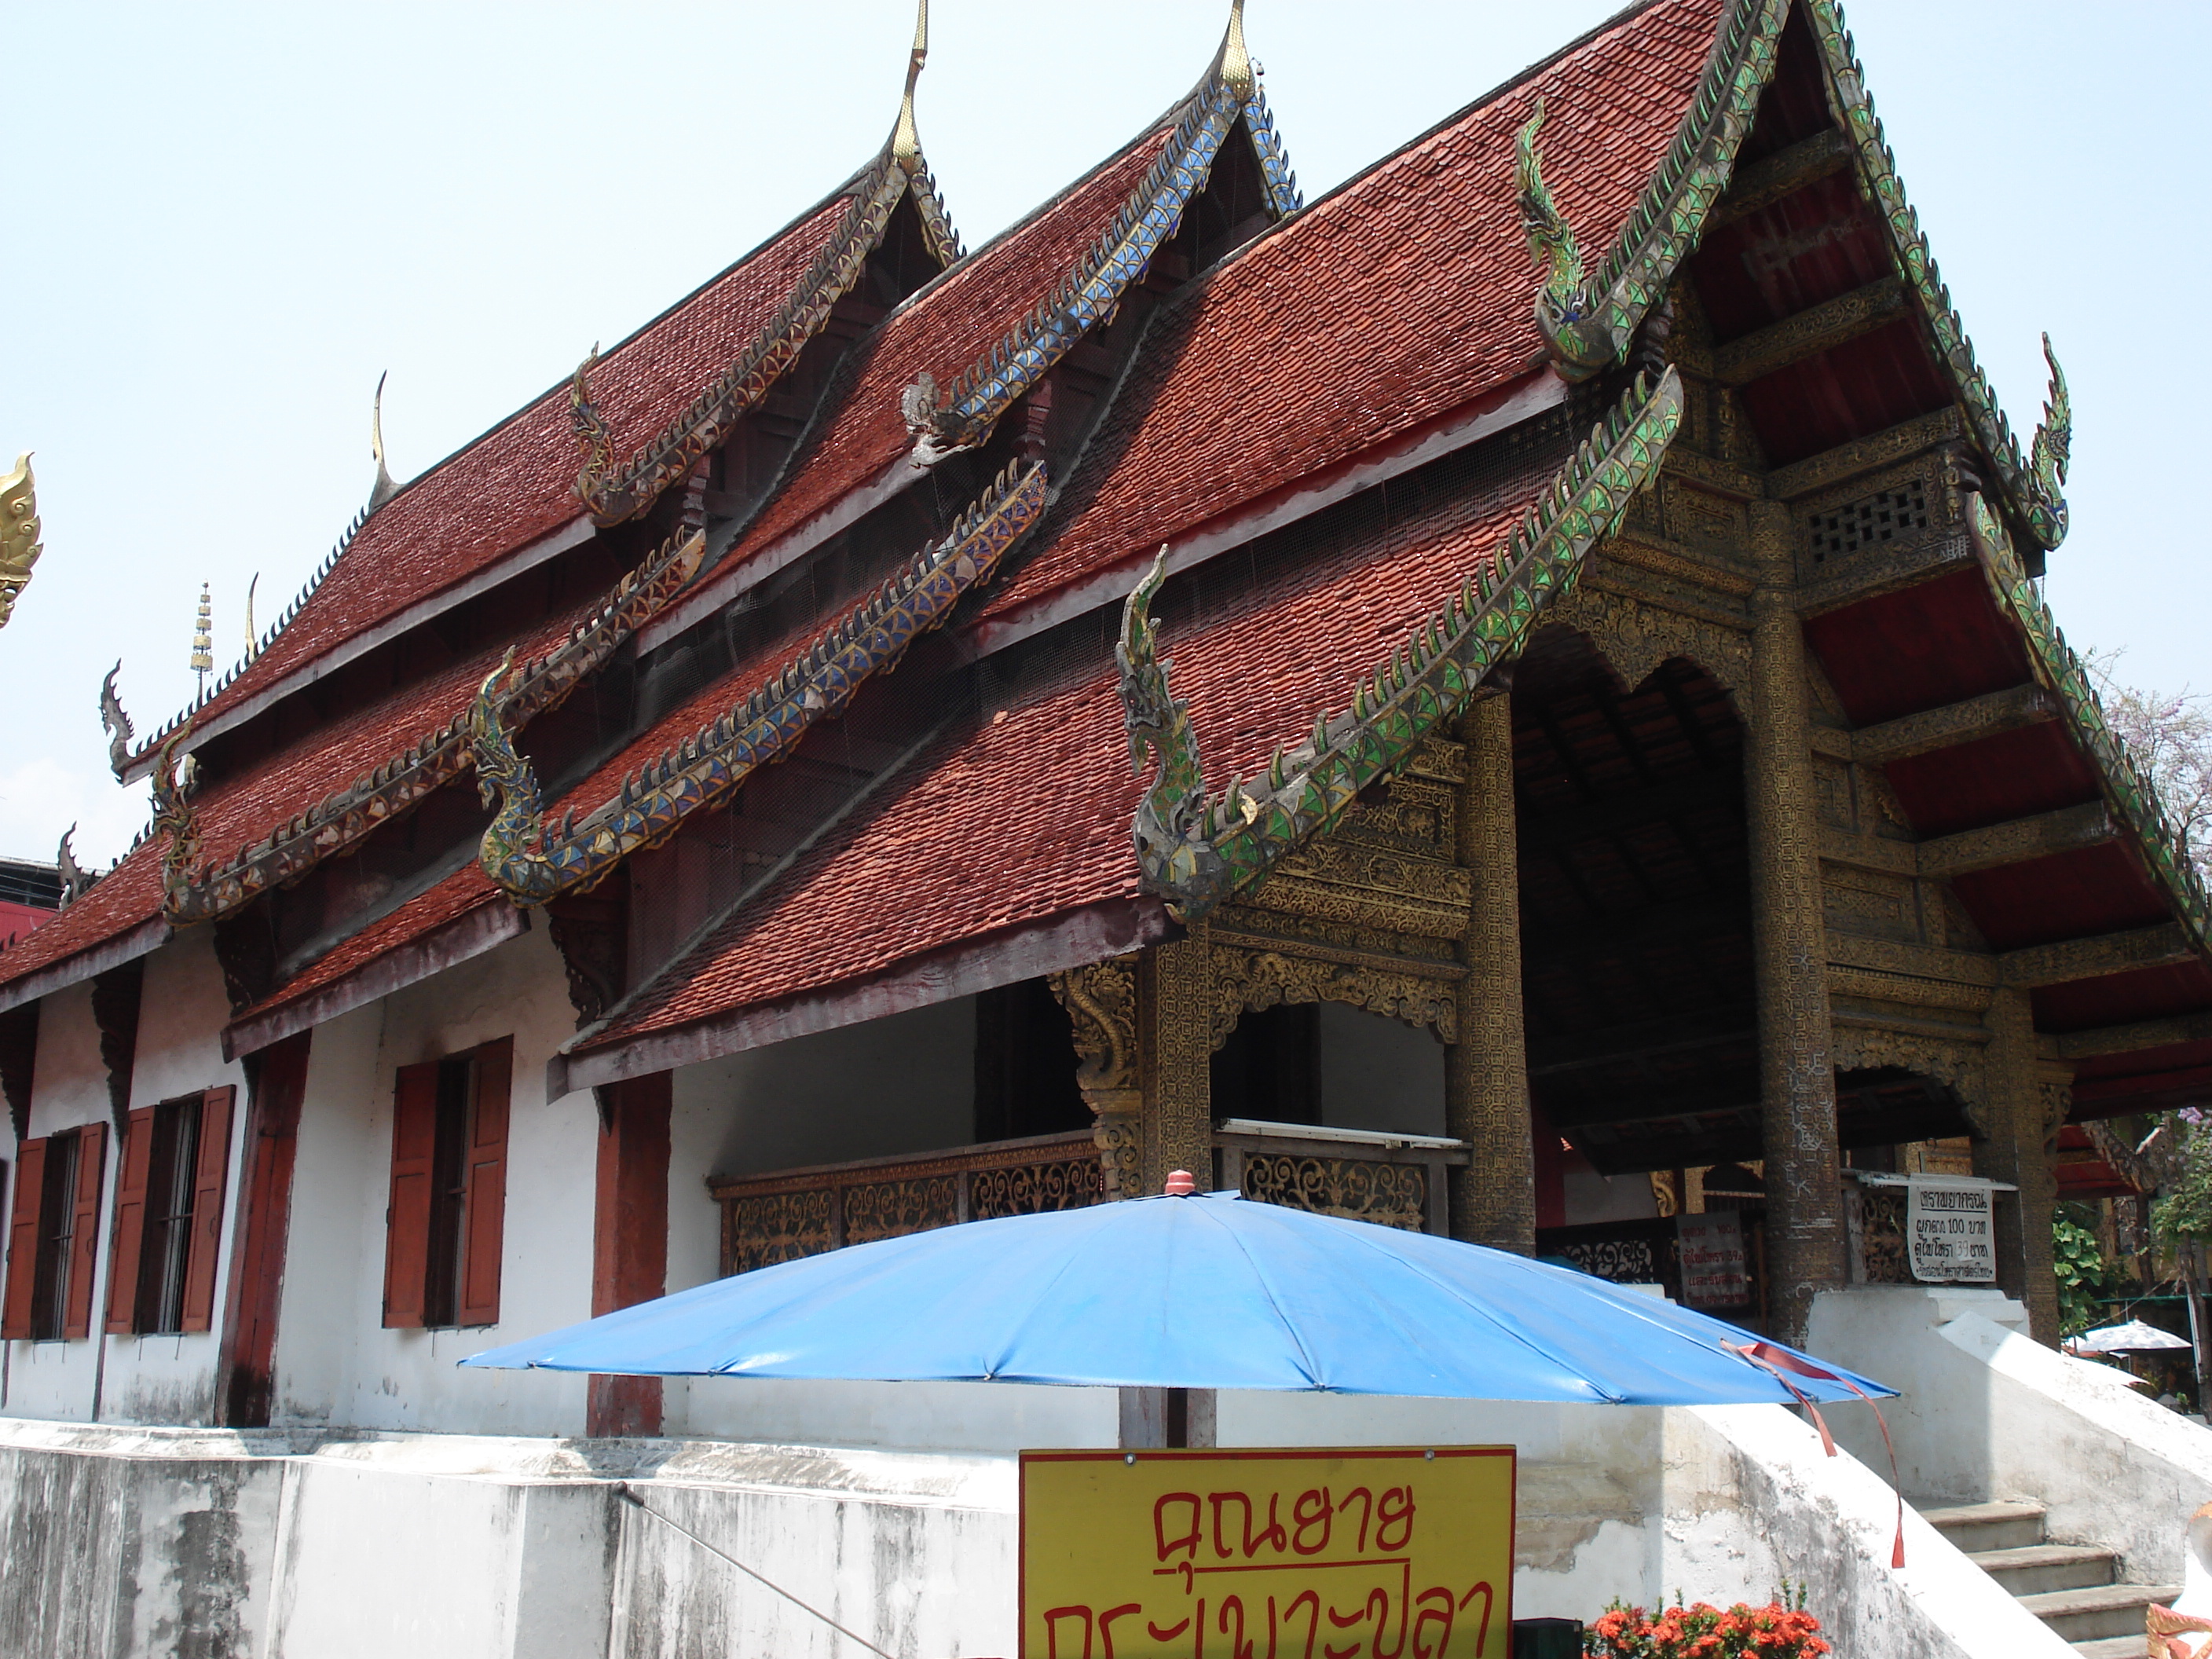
x=1986, y=1412
x=294, y=1545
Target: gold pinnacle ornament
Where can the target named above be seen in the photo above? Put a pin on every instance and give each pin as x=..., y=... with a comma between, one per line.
x=19, y=534
x=203, y=638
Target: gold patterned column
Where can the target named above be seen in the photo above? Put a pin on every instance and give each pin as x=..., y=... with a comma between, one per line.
x=1175, y=1005
x=1804, y=1241
x=2013, y=1148
x=1101, y=1000
x=1493, y=1199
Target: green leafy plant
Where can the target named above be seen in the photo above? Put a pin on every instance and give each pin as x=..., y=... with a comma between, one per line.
x=2078, y=1259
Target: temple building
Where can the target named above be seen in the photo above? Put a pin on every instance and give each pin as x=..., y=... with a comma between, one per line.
x=1513, y=699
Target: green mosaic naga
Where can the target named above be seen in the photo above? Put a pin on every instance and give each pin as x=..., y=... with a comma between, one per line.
x=1197, y=850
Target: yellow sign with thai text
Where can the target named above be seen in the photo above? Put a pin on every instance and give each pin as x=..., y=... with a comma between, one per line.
x=1369, y=1553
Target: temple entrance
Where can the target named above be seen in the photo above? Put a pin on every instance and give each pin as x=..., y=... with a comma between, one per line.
x=1637, y=968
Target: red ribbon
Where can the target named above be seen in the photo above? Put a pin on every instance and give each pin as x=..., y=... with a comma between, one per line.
x=1779, y=1362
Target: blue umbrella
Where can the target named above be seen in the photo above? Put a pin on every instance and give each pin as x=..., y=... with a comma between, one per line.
x=1197, y=1292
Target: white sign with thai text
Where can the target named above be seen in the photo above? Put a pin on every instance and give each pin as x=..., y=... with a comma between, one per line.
x=1946, y=1228
x=1715, y=1266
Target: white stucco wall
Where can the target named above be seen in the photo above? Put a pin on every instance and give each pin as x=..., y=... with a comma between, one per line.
x=334, y=1360
x=182, y=1008
x=69, y=1087
x=1986, y=1412
x=903, y=1084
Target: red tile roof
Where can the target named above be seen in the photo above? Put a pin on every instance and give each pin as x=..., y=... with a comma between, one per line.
x=1396, y=299
x=236, y=811
x=516, y=483
x=126, y=895
x=1261, y=374
x=467, y=889
x=944, y=328
x=1028, y=815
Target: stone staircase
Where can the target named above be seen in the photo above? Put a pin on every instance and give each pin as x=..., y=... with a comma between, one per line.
x=2073, y=1587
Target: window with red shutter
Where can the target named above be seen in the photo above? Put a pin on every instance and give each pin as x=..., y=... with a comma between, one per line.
x=84, y=1231
x=123, y=1256
x=23, y=1238
x=211, y=1171
x=407, y=1213
x=484, y=1227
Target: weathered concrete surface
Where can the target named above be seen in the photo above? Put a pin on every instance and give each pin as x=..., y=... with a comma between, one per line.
x=301, y=1545
x=1753, y=1500
x=119, y=1542
x=1985, y=1412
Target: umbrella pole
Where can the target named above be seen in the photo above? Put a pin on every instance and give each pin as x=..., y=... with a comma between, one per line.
x=2196, y=1318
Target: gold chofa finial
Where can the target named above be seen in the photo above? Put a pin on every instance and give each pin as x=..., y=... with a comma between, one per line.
x=384, y=489
x=906, y=143
x=1236, y=64
x=19, y=533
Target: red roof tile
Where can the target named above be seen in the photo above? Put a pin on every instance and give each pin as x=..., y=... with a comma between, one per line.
x=516, y=483
x=237, y=811
x=1398, y=299
x=1028, y=816
x=128, y=894
x=467, y=889
x=944, y=329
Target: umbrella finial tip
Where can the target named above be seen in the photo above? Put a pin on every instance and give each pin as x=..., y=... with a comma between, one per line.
x=1181, y=1184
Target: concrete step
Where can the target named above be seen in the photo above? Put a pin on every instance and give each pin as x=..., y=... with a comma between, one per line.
x=1976, y=1527
x=2111, y=1647
x=2035, y=1567
x=2082, y=1615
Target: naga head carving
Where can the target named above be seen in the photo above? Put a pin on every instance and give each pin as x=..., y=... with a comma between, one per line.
x=2049, y=455
x=173, y=813
x=1552, y=241
x=498, y=769
x=1169, y=829
x=592, y=433
x=19, y=534
x=116, y=723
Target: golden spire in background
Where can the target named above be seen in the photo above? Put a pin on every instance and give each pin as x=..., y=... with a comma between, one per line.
x=204, y=639
x=19, y=533
x=906, y=143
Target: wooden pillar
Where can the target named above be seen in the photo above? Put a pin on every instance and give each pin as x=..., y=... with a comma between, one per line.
x=276, y=1088
x=1493, y=1199
x=629, y=1237
x=1805, y=1242
x=1176, y=1038
x=2013, y=1148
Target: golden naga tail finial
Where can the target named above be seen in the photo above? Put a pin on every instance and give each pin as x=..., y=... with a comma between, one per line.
x=19, y=533
x=1236, y=62
x=906, y=141
x=384, y=489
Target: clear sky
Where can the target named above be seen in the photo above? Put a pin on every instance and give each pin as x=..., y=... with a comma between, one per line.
x=224, y=220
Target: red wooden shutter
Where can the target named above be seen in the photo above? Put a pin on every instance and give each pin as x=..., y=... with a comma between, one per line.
x=407, y=1213
x=487, y=1185
x=129, y=1222
x=23, y=1238
x=84, y=1235
x=210, y=1178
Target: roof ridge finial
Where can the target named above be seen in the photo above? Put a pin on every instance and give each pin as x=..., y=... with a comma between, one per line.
x=906, y=141
x=384, y=489
x=203, y=638
x=1235, y=63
